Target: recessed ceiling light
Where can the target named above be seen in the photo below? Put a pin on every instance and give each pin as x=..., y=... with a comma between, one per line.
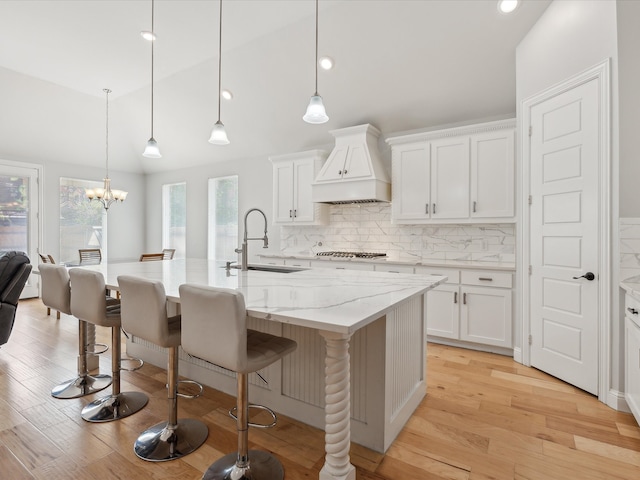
x=326, y=63
x=148, y=35
x=507, y=6
x=226, y=94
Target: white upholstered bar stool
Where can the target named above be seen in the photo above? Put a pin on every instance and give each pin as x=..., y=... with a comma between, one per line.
x=144, y=315
x=89, y=303
x=56, y=292
x=214, y=329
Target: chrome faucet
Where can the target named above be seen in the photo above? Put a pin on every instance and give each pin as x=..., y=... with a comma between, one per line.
x=244, y=261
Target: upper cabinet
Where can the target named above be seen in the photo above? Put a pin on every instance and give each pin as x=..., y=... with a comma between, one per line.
x=460, y=175
x=292, y=178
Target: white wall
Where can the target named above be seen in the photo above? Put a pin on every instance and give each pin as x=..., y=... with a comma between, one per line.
x=570, y=37
x=254, y=190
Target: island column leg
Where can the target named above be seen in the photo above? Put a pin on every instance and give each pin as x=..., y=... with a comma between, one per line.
x=337, y=464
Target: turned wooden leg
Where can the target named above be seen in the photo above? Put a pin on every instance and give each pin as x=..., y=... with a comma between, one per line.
x=337, y=464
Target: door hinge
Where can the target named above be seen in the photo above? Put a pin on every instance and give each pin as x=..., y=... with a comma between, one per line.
x=530, y=339
x=530, y=130
x=530, y=269
x=530, y=199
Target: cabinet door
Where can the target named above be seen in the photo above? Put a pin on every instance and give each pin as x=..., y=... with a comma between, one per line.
x=303, y=206
x=283, y=192
x=334, y=166
x=411, y=182
x=492, y=174
x=450, y=178
x=357, y=164
x=486, y=316
x=442, y=307
x=632, y=367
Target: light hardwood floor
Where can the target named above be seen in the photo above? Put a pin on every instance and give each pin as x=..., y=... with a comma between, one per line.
x=484, y=417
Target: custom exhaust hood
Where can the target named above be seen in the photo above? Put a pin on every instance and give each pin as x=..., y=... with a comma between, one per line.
x=353, y=172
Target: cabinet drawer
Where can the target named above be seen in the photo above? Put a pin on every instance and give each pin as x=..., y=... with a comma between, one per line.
x=487, y=278
x=394, y=268
x=295, y=262
x=341, y=265
x=632, y=309
x=453, y=275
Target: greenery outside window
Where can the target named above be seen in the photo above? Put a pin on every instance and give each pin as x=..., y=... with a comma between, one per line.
x=223, y=218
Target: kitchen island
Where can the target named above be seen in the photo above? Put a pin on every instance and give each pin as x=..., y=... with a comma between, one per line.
x=359, y=370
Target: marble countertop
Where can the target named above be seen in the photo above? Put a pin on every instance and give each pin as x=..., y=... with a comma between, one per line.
x=632, y=286
x=340, y=301
x=505, y=266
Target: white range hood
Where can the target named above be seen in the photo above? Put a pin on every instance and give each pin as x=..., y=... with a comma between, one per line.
x=353, y=173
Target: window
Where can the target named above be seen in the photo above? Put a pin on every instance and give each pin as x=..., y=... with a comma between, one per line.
x=81, y=222
x=223, y=217
x=174, y=218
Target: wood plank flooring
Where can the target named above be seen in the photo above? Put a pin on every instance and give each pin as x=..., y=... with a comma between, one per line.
x=484, y=417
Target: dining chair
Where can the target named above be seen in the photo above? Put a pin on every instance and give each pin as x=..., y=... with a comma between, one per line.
x=46, y=258
x=90, y=256
x=214, y=329
x=168, y=253
x=89, y=304
x=144, y=315
x=150, y=257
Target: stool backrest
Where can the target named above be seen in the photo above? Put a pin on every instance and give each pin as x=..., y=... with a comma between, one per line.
x=88, y=299
x=168, y=253
x=90, y=256
x=46, y=258
x=143, y=309
x=150, y=257
x=214, y=325
x=56, y=287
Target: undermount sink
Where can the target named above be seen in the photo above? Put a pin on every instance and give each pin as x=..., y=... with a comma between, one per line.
x=271, y=268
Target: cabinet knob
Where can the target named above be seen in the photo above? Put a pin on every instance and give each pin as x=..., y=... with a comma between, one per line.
x=632, y=311
x=345, y=172
x=339, y=172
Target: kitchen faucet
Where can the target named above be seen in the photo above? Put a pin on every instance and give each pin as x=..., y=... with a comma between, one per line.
x=244, y=261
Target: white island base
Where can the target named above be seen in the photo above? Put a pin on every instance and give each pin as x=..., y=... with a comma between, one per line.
x=383, y=365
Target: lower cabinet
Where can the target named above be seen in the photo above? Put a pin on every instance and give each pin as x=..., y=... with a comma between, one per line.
x=478, y=314
x=632, y=356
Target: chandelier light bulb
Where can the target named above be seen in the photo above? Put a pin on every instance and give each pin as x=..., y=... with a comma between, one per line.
x=316, y=112
x=219, y=134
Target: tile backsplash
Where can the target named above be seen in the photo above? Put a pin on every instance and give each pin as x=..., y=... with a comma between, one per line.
x=368, y=228
x=629, y=247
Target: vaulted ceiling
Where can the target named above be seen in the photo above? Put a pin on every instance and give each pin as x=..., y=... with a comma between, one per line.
x=401, y=65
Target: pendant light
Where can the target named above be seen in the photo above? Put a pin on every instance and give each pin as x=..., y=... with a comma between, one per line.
x=315, y=111
x=105, y=195
x=218, y=134
x=152, y=150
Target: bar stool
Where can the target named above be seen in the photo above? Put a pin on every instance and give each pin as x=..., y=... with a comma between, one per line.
x=214, y=329
x=89, y=303
x=56, y=291
x=144, y=315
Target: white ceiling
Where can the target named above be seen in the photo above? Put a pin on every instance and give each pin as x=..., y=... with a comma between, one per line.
x=400, y=64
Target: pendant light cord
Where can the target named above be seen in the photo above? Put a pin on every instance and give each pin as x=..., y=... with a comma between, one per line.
x=316, y=93
x=153, y=39
x=220, y=61
x=107, y=91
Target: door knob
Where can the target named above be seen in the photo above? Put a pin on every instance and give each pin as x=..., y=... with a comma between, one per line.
x=589, y=276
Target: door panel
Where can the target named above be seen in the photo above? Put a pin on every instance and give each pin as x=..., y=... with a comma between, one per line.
x=564, y=238
x=450, y=168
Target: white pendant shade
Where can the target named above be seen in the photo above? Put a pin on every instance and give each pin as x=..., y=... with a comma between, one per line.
x=219, y=134
x=315, y=111
x=152, y=150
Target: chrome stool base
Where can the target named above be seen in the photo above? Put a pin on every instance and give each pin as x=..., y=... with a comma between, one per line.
x=81, y=386
x=163, y=442
x=261, y=466
x=114, y=407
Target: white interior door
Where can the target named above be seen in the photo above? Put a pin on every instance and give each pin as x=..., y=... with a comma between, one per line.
x=564, y=236
x=19, y=216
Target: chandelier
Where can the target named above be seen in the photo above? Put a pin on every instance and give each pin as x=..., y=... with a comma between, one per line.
x=105, y=195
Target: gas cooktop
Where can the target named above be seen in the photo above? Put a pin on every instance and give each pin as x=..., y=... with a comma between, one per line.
x=351, y=254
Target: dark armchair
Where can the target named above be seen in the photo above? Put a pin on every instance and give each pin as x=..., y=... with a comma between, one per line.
x=14, y=271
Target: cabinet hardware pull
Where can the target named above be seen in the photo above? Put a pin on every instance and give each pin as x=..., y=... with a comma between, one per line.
x=290, y=213
x=339, y=172
x=393, y=271
x=486, y=279
x=455, y=297
x=632, y=311
x=464, y=298
x=434, y=208
x=345, y=172
x=295, y=213
x=339, y=268
x=474, y=206
x=426, y=209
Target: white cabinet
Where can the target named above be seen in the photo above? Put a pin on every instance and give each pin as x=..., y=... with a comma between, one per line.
x=292, y=178
x=461, y=175
x=393, y=268
x=462, y=310
x=341, y=265
x=632, y=355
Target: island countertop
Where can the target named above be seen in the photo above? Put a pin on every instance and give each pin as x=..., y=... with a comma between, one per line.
x=340, y=301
